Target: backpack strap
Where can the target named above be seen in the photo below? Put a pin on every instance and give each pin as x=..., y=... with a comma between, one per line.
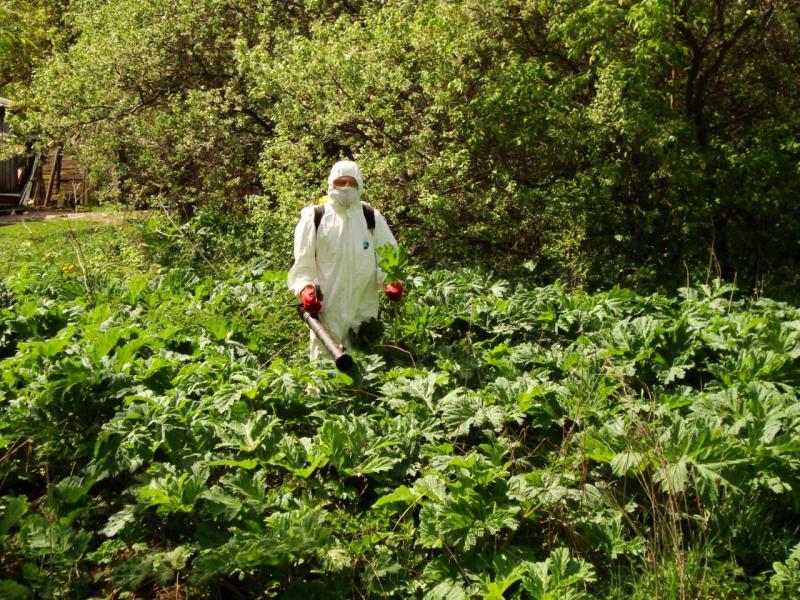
x=369, y=215
x=319, y=211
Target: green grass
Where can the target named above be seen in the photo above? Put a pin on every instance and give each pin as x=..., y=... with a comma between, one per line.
x=54, y=241
x=127, y=245
x=49, y=227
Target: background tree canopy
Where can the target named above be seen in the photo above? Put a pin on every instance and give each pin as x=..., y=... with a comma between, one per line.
x=632, y=143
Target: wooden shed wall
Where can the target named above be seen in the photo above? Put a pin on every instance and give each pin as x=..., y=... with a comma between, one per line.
x=8, y=168
x=8, y=177
x=69, y=183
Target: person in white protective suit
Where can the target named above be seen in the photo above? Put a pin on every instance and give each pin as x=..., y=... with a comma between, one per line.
x=335, y=271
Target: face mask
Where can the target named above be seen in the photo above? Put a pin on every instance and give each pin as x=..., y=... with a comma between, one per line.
x=344, y=196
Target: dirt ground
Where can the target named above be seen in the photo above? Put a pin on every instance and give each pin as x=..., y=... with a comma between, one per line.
x=60, y=215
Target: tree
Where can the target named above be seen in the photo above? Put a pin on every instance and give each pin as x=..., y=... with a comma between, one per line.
x=631, y=143
x=29, y=31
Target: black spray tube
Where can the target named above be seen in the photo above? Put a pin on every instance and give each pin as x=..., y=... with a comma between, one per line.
x=344, y=362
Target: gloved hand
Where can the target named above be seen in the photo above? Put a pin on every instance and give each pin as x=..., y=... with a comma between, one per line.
x=311, y=304
x=394, y=291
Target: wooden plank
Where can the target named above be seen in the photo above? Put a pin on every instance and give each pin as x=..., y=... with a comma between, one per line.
x=39, y=193
x=58, y=171
x=27, y=190
x=8, y=200
x=52, y=179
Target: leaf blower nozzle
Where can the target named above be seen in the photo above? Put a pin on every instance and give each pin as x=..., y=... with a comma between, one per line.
x=342, y=360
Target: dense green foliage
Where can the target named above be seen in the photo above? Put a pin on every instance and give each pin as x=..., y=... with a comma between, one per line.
x=637, y=143
x=161, y=430
x=29, y=31
x=163, y=433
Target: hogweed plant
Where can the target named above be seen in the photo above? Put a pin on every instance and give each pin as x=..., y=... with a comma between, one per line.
x=525, y=443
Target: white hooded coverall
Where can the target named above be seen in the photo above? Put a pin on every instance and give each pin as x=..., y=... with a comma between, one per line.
x=340, y=258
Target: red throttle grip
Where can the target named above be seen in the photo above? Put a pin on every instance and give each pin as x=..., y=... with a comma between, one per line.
x=308, y=297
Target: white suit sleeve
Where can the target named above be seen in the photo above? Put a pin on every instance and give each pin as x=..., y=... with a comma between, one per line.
x=382, y=235
x=304, y=270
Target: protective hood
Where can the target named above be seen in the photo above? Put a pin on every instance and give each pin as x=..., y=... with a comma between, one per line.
x=345, y=168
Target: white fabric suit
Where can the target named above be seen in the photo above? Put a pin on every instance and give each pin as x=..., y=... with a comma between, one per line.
x=340, y=257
